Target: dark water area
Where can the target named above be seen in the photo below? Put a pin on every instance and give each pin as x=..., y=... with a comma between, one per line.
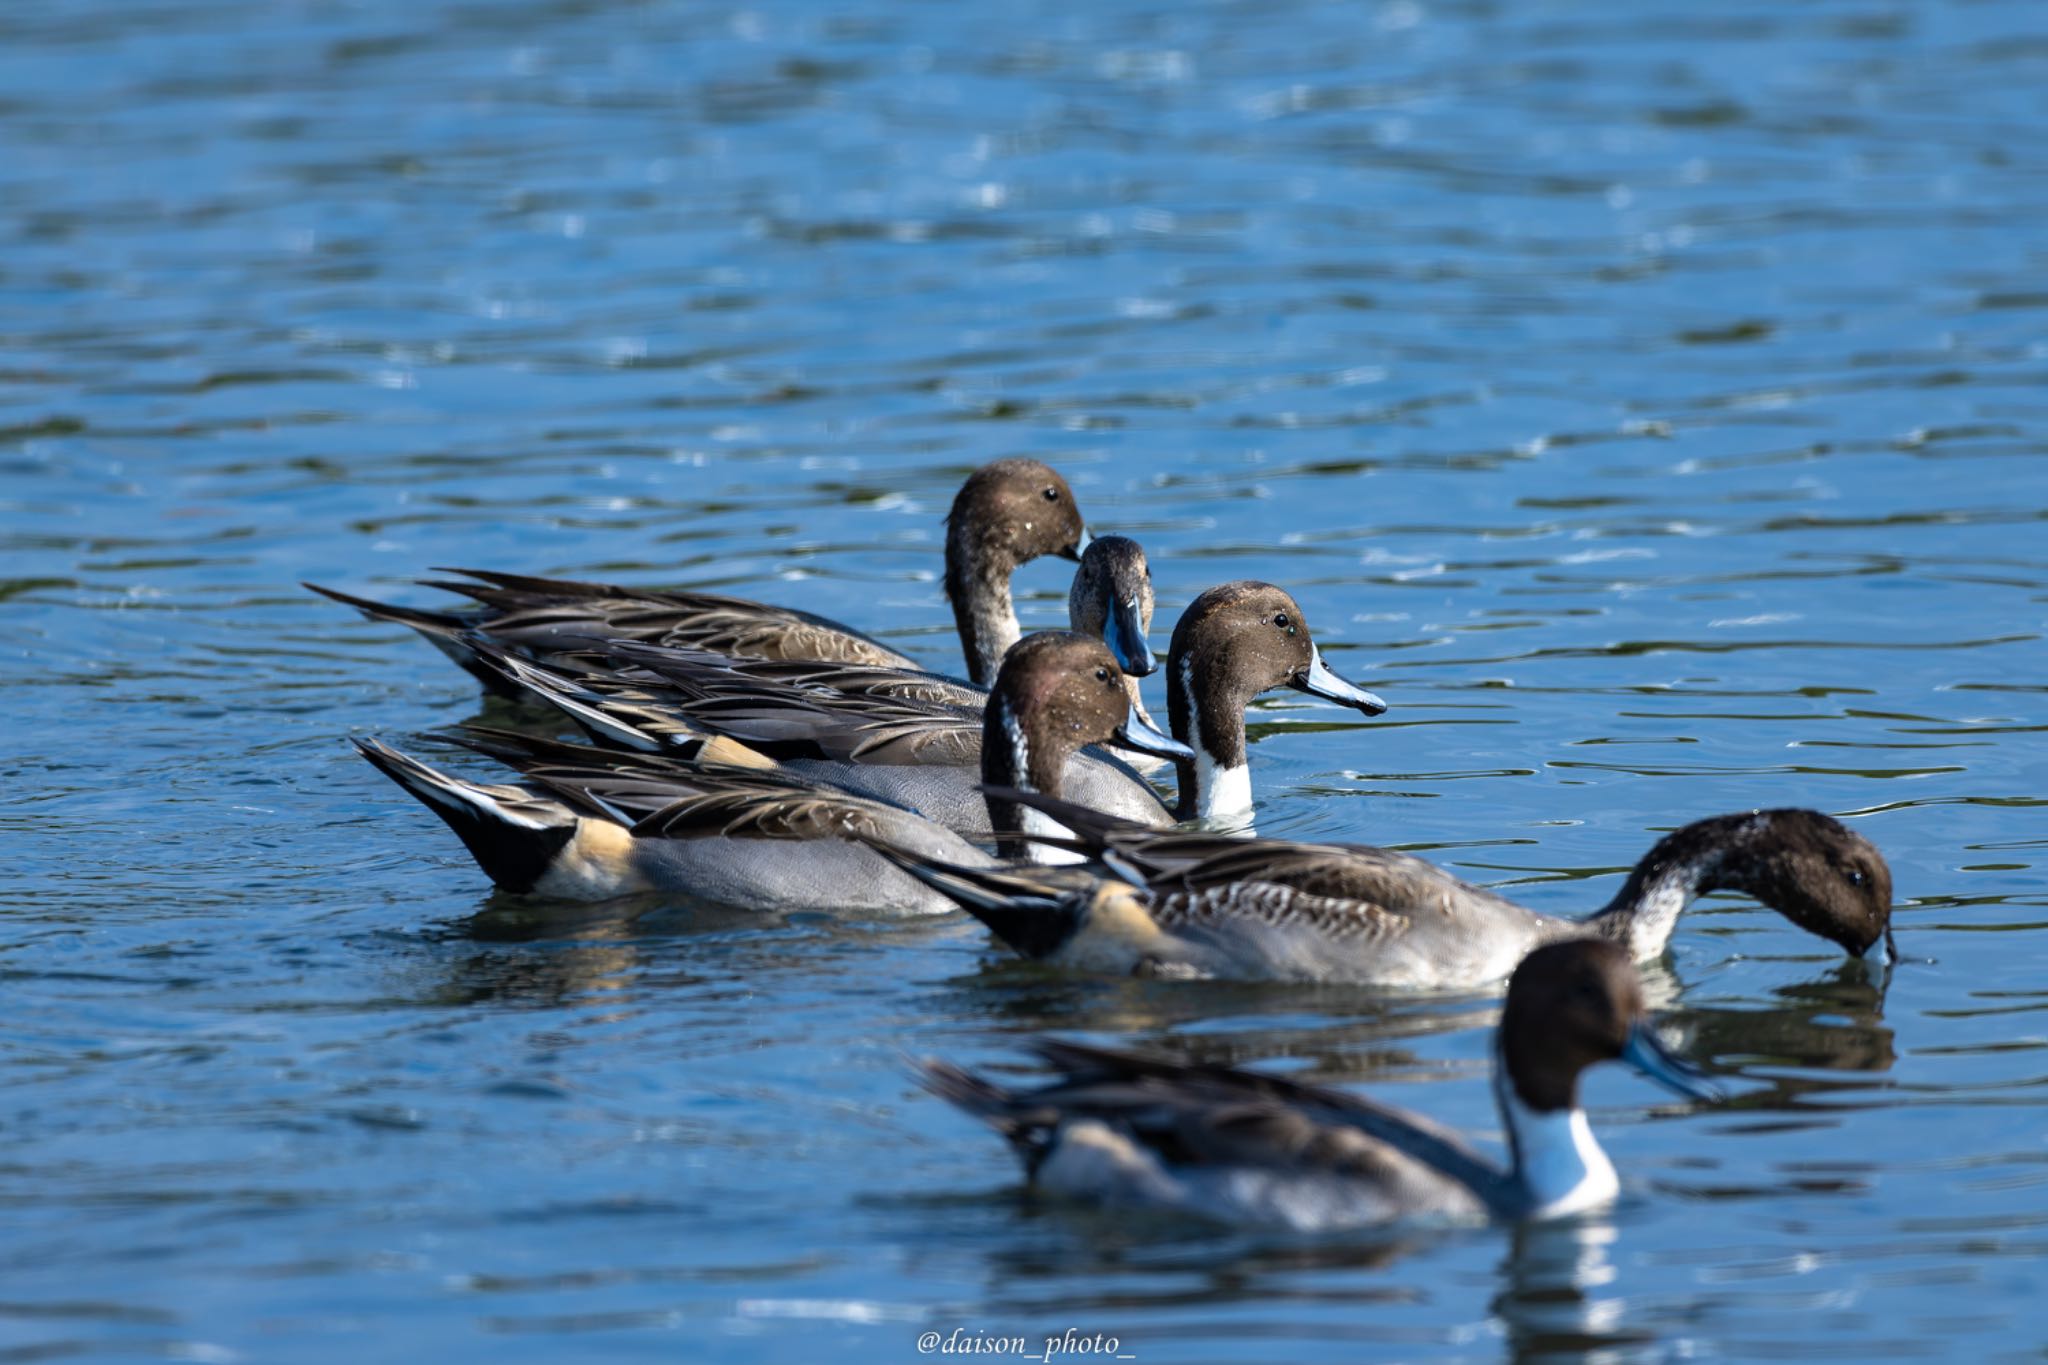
x=1649, y=401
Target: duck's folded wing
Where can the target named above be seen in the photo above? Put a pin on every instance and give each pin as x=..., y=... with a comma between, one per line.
x=854, y=679
x=673, y=799
x=548, y=614
x=1223, y=1115
x=1196, y=863
x=788, y=723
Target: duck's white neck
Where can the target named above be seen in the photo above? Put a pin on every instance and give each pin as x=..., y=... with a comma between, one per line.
x=1222, y=794
x=1223, y=788
x=1006, y=761
x=1557, y=1161
x=1048, y=855
x=1646, y=926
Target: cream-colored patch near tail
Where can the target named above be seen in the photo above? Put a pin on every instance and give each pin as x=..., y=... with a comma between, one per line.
x=1117, y=934
x=720, y=749
x=596, y=863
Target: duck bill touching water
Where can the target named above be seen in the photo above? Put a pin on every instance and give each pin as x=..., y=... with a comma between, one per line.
x=1233, y=642
x=1123, y=1130
x=719, y=820
x=1008, y=513
x=1180, y=903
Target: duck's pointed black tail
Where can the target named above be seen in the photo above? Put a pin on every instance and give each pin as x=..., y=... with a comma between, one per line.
x=514, y=837
x=446, y=631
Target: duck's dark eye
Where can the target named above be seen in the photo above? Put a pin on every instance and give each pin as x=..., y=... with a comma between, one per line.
x=1102, y=675
x=1855, y=876
x=1052, y=495
x=1281, y=621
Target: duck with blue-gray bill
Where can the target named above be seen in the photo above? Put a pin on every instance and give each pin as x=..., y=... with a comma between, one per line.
x=1111, y=599
x=1123, y=1130
x=1184, y=903
x=1006, y=514
x=1245, y=638
x=929, y=757
x=721, y=822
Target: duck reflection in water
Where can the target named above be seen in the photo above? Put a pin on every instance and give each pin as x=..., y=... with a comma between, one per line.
x=1558, y=1301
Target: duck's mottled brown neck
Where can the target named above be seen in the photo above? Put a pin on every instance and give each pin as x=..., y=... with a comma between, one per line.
x=1007, y=513
x=978, y=585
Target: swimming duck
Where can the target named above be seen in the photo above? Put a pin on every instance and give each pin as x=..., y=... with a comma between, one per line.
x=1184, y=903
x=1233, y=642
x=1245, y=638
x=1008, y=513
x=589, y=824
x=1111, y=598
x=718, y=819
x=932, y=758
x=1124, y=1130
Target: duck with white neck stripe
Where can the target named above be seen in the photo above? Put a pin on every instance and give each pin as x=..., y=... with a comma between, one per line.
x=1233, y=642
x=1186, y=903
x=1123, y=1130
x=1237, y=641
x=726, y=823
x=1060, y=696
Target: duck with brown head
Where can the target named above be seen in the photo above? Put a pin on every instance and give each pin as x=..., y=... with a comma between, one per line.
x=1111, y=597
x=1124, y=1130
x=1059, y=696
x=1110, y=600
x=1236, y=641
x=725, y=822
x=1233, y=642
x=1005, y=515
x=1071, y=684
x=1188, y=903
x=1008, y=513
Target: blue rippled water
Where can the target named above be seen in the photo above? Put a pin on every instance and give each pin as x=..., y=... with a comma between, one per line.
x=1649, y=401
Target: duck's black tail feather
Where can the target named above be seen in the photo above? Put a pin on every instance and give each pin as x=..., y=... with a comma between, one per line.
x=513, y=835
x=446, y=631
x=1034, y=910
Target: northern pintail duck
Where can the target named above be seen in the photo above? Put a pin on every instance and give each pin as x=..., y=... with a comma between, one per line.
x=1233, y=642
x=588, y=824
x=1008, y=513
x=1111, y=598
x=1124, y=1130
x=930, y=757
x=719, y=820
x=1183, y=903
x=1245, y=638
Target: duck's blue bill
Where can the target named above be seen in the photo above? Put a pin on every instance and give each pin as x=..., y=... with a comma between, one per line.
x=1124, y=633
x=1647, y=1054
x=1318, y=681
x=1134, y=733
